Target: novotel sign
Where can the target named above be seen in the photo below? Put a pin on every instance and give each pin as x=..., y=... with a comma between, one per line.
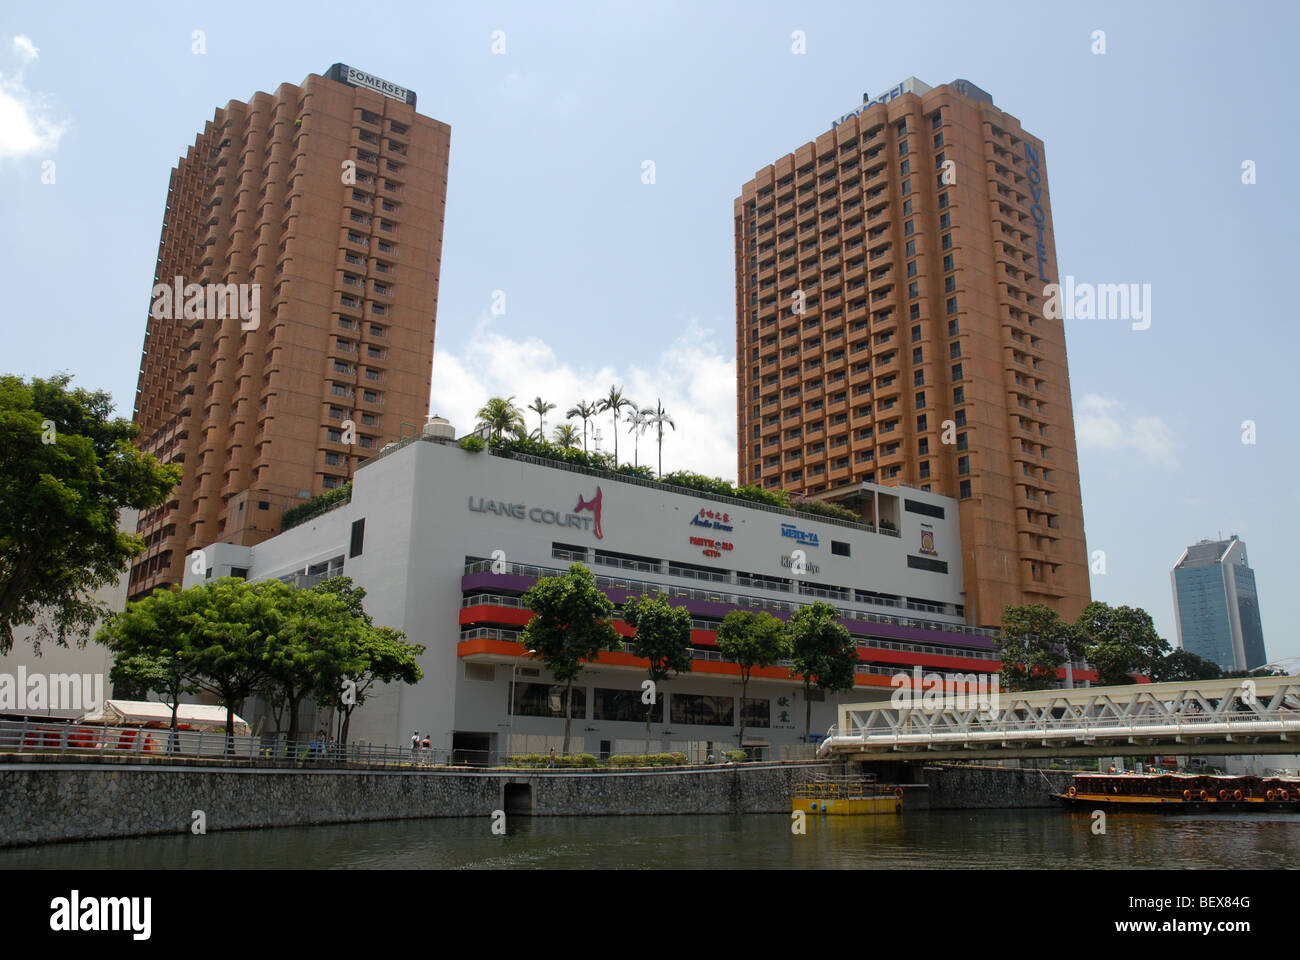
x=359, y=78
x=910, y=85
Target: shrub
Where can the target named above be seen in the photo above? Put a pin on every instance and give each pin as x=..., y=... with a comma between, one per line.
x=473, y=444
x=316, y=506
x=736, y=756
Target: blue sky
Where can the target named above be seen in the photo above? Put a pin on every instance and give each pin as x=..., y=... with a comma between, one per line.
x=609, y=279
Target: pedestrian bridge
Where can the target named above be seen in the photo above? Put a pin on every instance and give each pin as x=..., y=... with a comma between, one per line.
x=1255, y=715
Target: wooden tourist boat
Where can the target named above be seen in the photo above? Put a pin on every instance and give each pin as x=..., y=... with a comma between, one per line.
x=1185, y=792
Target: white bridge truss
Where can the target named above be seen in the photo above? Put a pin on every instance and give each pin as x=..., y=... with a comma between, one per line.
x=1255, y=715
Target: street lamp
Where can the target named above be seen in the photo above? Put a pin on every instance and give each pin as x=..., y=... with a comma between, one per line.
x=511, y=708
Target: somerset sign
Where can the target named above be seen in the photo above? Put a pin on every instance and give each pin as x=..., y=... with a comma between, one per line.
x=359, y=78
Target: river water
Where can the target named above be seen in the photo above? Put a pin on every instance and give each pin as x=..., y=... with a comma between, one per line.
x=986, y=839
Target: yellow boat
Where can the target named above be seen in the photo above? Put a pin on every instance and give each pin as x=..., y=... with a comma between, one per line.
x=847, y=797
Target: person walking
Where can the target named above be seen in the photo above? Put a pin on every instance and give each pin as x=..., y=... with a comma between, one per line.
x=426, y=748
x=551, y=762
x=415, y=746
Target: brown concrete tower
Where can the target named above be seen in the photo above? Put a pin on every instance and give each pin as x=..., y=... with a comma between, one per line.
x=326, y=200
x=890, y=285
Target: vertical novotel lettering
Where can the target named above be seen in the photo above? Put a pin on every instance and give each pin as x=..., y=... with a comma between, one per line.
x=1035, y=175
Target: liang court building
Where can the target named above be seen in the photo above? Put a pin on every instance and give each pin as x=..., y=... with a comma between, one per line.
x=446, y=541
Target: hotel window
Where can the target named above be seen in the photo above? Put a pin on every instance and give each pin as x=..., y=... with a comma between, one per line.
x=905, y=168
x=947, y=262
x=925, y=469
x=963, y=464
x=902, y=144
x=945, y=221
x=916, y=333
x=907, y=206
x=546, y=700
x=938, y=160
x=958, y=394
x=949, y=284
x=938, y=140
x=964, y=489
x=910, y=249
x=946, y=241
x=909, y=227
x=336, y=413
x=911, y=268
x=951, y=305
x=334, y=436
x=331, y=483
x=369, y=419
x=962, y=443
x=907, y=189
x=914, y=312
x=923, y=446
x=918, y=378
x=916, y=355
x=936, y=121
x=920, y=399
x=956, y=371
x=921, y=424
x=959, y=417
x=913, y=291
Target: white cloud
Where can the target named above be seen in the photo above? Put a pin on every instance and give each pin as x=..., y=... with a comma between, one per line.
x=26, y=125
x=1101, y=424
x=24, y=49
x=691, y=377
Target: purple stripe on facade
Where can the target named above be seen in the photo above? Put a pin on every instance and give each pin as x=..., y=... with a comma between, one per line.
x=706, y=608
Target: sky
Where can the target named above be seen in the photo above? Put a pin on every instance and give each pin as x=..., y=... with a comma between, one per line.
x=608, y=279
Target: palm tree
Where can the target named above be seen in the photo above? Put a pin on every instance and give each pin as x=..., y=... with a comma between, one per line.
x=637, y=425
x=542, y=408
x=586, y=411
x=615, y=401
x=566, y=435
x=657, y=418
x=499, y=416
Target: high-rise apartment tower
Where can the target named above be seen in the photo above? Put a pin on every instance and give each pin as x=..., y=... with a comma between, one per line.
x=290, y=332
x=890, y=282
x=1216, y=606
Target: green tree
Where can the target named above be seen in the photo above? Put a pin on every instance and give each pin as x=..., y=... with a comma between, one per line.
x=66, y=471
x=752, y=640
x=1185, y=665
x=230, y=625
x=657, y=417
x=637, y=425
x=663, y=636
x=500, y=416
x=1119, y=642
x=824, y=653
x=613, y=402
x=586, y=411
x=378, y=655
x=541, y=408
x=570, y=626
x=1034, y=642
x=566, y=436
x=152, y=649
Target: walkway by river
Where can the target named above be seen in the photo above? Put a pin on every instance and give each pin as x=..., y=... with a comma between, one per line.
x=987, y=839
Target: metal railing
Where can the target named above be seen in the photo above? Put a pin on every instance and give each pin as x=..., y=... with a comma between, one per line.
x=93, y=740
x=741, y=600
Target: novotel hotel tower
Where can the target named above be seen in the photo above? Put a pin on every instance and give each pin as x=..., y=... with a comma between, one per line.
x=290, y=328
x=890, y=284
x=446, y=542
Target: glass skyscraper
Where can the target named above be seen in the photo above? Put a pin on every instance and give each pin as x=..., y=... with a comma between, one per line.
x=1216, y=605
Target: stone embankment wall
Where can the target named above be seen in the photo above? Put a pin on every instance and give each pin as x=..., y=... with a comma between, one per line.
x=973, y=788
x=61, y=799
